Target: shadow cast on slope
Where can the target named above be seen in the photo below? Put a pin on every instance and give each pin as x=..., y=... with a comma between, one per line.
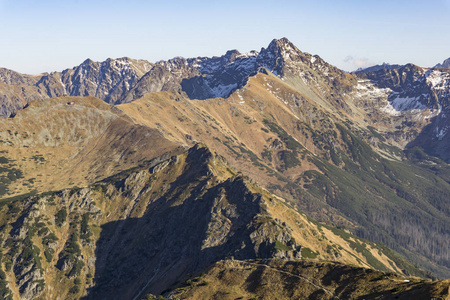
x=431, y=144
x=221, y=83
x=172, y=239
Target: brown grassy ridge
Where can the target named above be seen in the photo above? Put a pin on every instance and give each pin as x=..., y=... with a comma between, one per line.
x=72, y=141
x=276, y=279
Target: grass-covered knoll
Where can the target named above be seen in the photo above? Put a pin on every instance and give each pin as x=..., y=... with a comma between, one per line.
x=277, y=279
x=308, y=253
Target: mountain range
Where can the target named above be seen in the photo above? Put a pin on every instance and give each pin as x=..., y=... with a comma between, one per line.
x=124, y=177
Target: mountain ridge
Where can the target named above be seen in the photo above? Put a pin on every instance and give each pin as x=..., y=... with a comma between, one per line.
x=301, y=124
x=124, y=79
x=121, y=236
x=365, y=151
x=445, y=64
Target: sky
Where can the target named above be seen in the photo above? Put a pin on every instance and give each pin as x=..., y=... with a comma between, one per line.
x=52, y=35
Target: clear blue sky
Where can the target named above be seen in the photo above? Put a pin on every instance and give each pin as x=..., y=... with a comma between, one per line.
x=52, y=35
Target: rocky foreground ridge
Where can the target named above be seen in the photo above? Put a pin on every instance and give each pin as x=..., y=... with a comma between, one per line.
x=147, y=229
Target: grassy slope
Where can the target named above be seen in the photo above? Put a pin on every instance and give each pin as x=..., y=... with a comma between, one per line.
x=274, y=279
x=300, y=150
x=71, y=141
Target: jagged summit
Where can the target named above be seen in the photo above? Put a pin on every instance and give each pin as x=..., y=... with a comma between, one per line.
x=284, y=44
x=445, y=64
x=88, y=61
x=230, y=54
x=124, y=79
x=281, y=43
x=11, y=77
x=275, y=55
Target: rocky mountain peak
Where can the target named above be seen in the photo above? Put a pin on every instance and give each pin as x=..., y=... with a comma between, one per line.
x=445, y=64
x=232, y=54
x=110, y=60
x=280, y=44
x=277, y=54
x=121, y=64
x=223, y=75
x=14, y=78
x=87, y=62
x=174, y=64
x=200, y=154
x=280, y=48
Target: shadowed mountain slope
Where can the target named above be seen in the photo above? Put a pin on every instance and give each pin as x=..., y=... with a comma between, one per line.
x=145, y=229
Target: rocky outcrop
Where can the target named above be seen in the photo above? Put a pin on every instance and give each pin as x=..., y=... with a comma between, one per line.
x=445, y=64
x=175, y=214
x=110, y=81
x=209, y=220
x=11, y=77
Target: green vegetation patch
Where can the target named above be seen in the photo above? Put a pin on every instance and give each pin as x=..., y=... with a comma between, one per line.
x=381, y=196
x=85, y=232
x=308, y=253
x=290, y=142
x=61, y=217
x=70, y=256
x=5, y=292
x=281, y=246
x=376, y=134
x=289, y=159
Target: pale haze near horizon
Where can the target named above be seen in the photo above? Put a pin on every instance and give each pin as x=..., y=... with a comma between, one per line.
x=46, y=36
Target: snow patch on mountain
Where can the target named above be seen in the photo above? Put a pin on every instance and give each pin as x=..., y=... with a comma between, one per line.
x=248, y=54
x=221, y=90
x=406, y=103
x=368, y=91
x=392, y=102
x=438, y=79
